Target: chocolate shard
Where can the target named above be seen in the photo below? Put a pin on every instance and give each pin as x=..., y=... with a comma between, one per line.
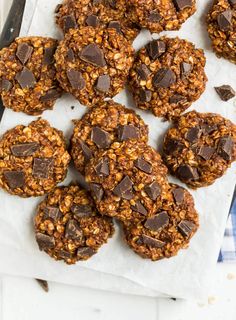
x=70, y=55
x=172, y=146
x=15, y=179
x=185, y=68
x=26, y=78
x=51, y=95
x=154, y=16
x=155, y=49
x=85, y=252
x=44, y=241
x=152, y=242
x=101, y=138
x=25, y=149
x=193, y=134
x=43, y=284
x=69, y=23
x=157, y=222
x=73, y=230
x=92, y=21
x=127, y=132
x=187, y=173
x=124, y=189
x=97, y=191
x=145, y=95
x=42, y=167
x=206, y=152
x=225, y=92
x=178, y=194
x=52, y=213
x=103, y=83
x=81, y=210
x=177, y=98
x=5, y=85
x=76, y=79
x=143, y=165
x=64, y=254
x=115, y=25
x=224, y=20
x=138, y=207
x=208, y=128
x=164, y=78
x=48, y=57
x=225, y=147
x=186, y=227
x=94, y=55
x=24, y=52
x=87, y=153
x=143, y=71
x=183, y=4
x=153, y=190
x=102, y=168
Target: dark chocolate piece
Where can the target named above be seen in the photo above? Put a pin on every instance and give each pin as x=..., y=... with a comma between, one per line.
x=102, y=168
x=115, y=25
x=152, y=242
x=5, y=85
x=143, y=71
x=164, y=78
x=103, y=83
x=25, y=149
x=52, y=213
x=70, y=55
x=87, y=153
x=94, y=55
x=177, y=98
x=206, y=152
x=158, y=222
x=100, y=137
x=42, y=167
x=173, y=145
x=26, y=78
x=44, y=241
x=155, y=49
x=84, y=252
x=153, y=190
x=81, y=210
x=69, y=23
x=186, y=227
x=224, y=20
x=182, y=4
x=97, y=191
x=145, y=95
x=185, y=68
x=225, y=92
x=154, y=16
x=76, y=79
x=43, y=284
x=186, y=172
x=225, y=147
x=124, y=189
x=178, y=194
x=193, y=134
x=24, y=52
x=51, y=95
x=127, y=132
x=138, y=207
x=73, y=230
x=15, y=179
x=92, y=20
x=48, y=57
x=143, y=165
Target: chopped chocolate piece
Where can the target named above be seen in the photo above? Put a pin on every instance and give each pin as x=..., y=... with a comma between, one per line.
x=186, y=172
x=224, y=20
x=82, y=210
x=208, y=128
x=152, y=242
x=5, y=85
x=115, y=25
x=158, y=222
x=177, y=98
x=24, y=52
x=178, y=194
x=143, y=71
x=138, y=207
x=94, y=55
x=97, y=191
x=156, y=48
x=103, y=83
x=52, y=94
x=76, y=79
x=154, y=16
x=69, y=23
x=25, y=78
x=111, y=3
x=193, y=134
x=183, y=4
x=15, y=179
x=73, y=230
x=127, y=132
x=101, y=138
x=186, y=68
x=186, y=228
x=124, y=189
x=143, y=165
x=164, y=78
x=102, y=168
x=225, y=92
x=206, y=152
x=48, y=57
x=43, y=284
x=64, y=254
x=44, y=241
x=42, y=167
x=70, y=55
x=92, y=20
x=173, y=145
x=87, y=153
x=52, y=213
x=24, y=149
x=153, y=190
x=85, y=252
x=145, y=95
x=225, y=147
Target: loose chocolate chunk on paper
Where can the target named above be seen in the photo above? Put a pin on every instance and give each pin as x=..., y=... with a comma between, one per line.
x=43, y=284
x=5, y=85
x=42, y=167
x=193, y=134
x=70, y=55
x=224, y=20
x=48, y=57
x=145, y=95
x=187, y=173
x=155, y=49
x=172, y=146
x=97, y=191
x=81, y=210
x=143, y=165
x=103, y=83
x=92, y=20
x=69, y=23
x=158, y=222
x=164, y=78
x=177, y=98
x=182, y=4
x=178, y=194
x=152, y=242
x=26, y=78
x=138, y=207
x=24, y=52
x=100, y=137
x=143, y=71
x=15, y=179
x=25, y=149
x=186, y=227
x=127, y=132
x=44, y=241
x=76, y=79
x=87, y=153
x=51, y=95
x=115, y=25
x=84, y=252
x=102, y=168
x=225, y=92
x=124, y=189
x=225, y=147
x=73, y=230
x=206, y=152
x=185, y=68
x=154, y=16
x=94, y=55
x=153, y=190
x=52, y=213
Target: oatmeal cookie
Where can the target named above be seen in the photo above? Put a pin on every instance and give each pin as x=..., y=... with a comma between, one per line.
x=128, y=181
x=200, y=147
x=100, y=127
x=168, y=231
x=168, y=76
x=93, y=64
x=33, y=159
x=27, y=75
x=68, y=227
x=221, y=25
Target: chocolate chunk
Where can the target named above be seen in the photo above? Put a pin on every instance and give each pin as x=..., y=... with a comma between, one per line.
x=155, y=49
x=178, y=194
x=127, y=132
x=76, y=79
x=115, y=25
x=24, y=149
x=15, y=179
x=94, y=55
x=138, y=207
x=225, y=92
x=158, y=222
x=193, y=134
x=87, y=153
x=24, y=52
x=84, y=252
x=5, y=85
x=182, y=4
x=143, y=71
x=44, y=241
x=81, y=210
x=164, y=78
x=154, y=16
x=224, y=20
x=92, y=20
x=152, y=242
x=172, y=146
x=51, y=95
x=26, y=78
x=187, y=173
x=145, y=95
x=97, y=191
x=48, y=57
x=64, y=254
x=102, y=168
x=206, y=152
x=186, y=227
x=225, y=147
x=111, y=3
x=69, y=23
x=52, y=213
x=124, y=189
x=153, y=190
x=70, y=55
x=43, y=284
x=103, y=83
x=177, y=98
x=42, y=167
x=100, y=137
x=143, y=165
x=73, y=230
x=185, y=68
x=208, y=128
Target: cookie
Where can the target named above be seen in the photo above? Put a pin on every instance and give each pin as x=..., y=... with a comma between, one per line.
x=27, y=75
x=221, y=25
x=160, y=15
x=33, y=159
x=168, y=231
x=200, y=147
x=93, y=64
x=167, y=76
x=106, y=13
x=128, y=181
x=68, y=227
x=104, y=124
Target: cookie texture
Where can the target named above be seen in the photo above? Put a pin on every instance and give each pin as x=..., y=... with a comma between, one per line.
x=68, y=227
x=200, y=147
x=73, y=14
x=168, y=231
x=221, y=25
x=27, y=75
x=93, y=64
x=160, y=15
x=167, y=76
x=104, y=124
x=33, y=159
x=127, y=181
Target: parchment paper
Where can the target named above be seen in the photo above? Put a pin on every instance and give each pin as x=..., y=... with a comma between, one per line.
x=185, y=276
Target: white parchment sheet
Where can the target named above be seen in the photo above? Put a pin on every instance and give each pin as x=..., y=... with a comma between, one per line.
x=185, y=276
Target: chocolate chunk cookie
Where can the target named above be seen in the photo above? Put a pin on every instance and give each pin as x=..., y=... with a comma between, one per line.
x=221, y=25
x=33, y=159
x=168, y=231
x=27, y=75
x=72, y=14
x=100, y=127
x=200, y=147
x=128, y=181
x=68, y=227
x=93, y=64
x=160, y=15
x=168, y=76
